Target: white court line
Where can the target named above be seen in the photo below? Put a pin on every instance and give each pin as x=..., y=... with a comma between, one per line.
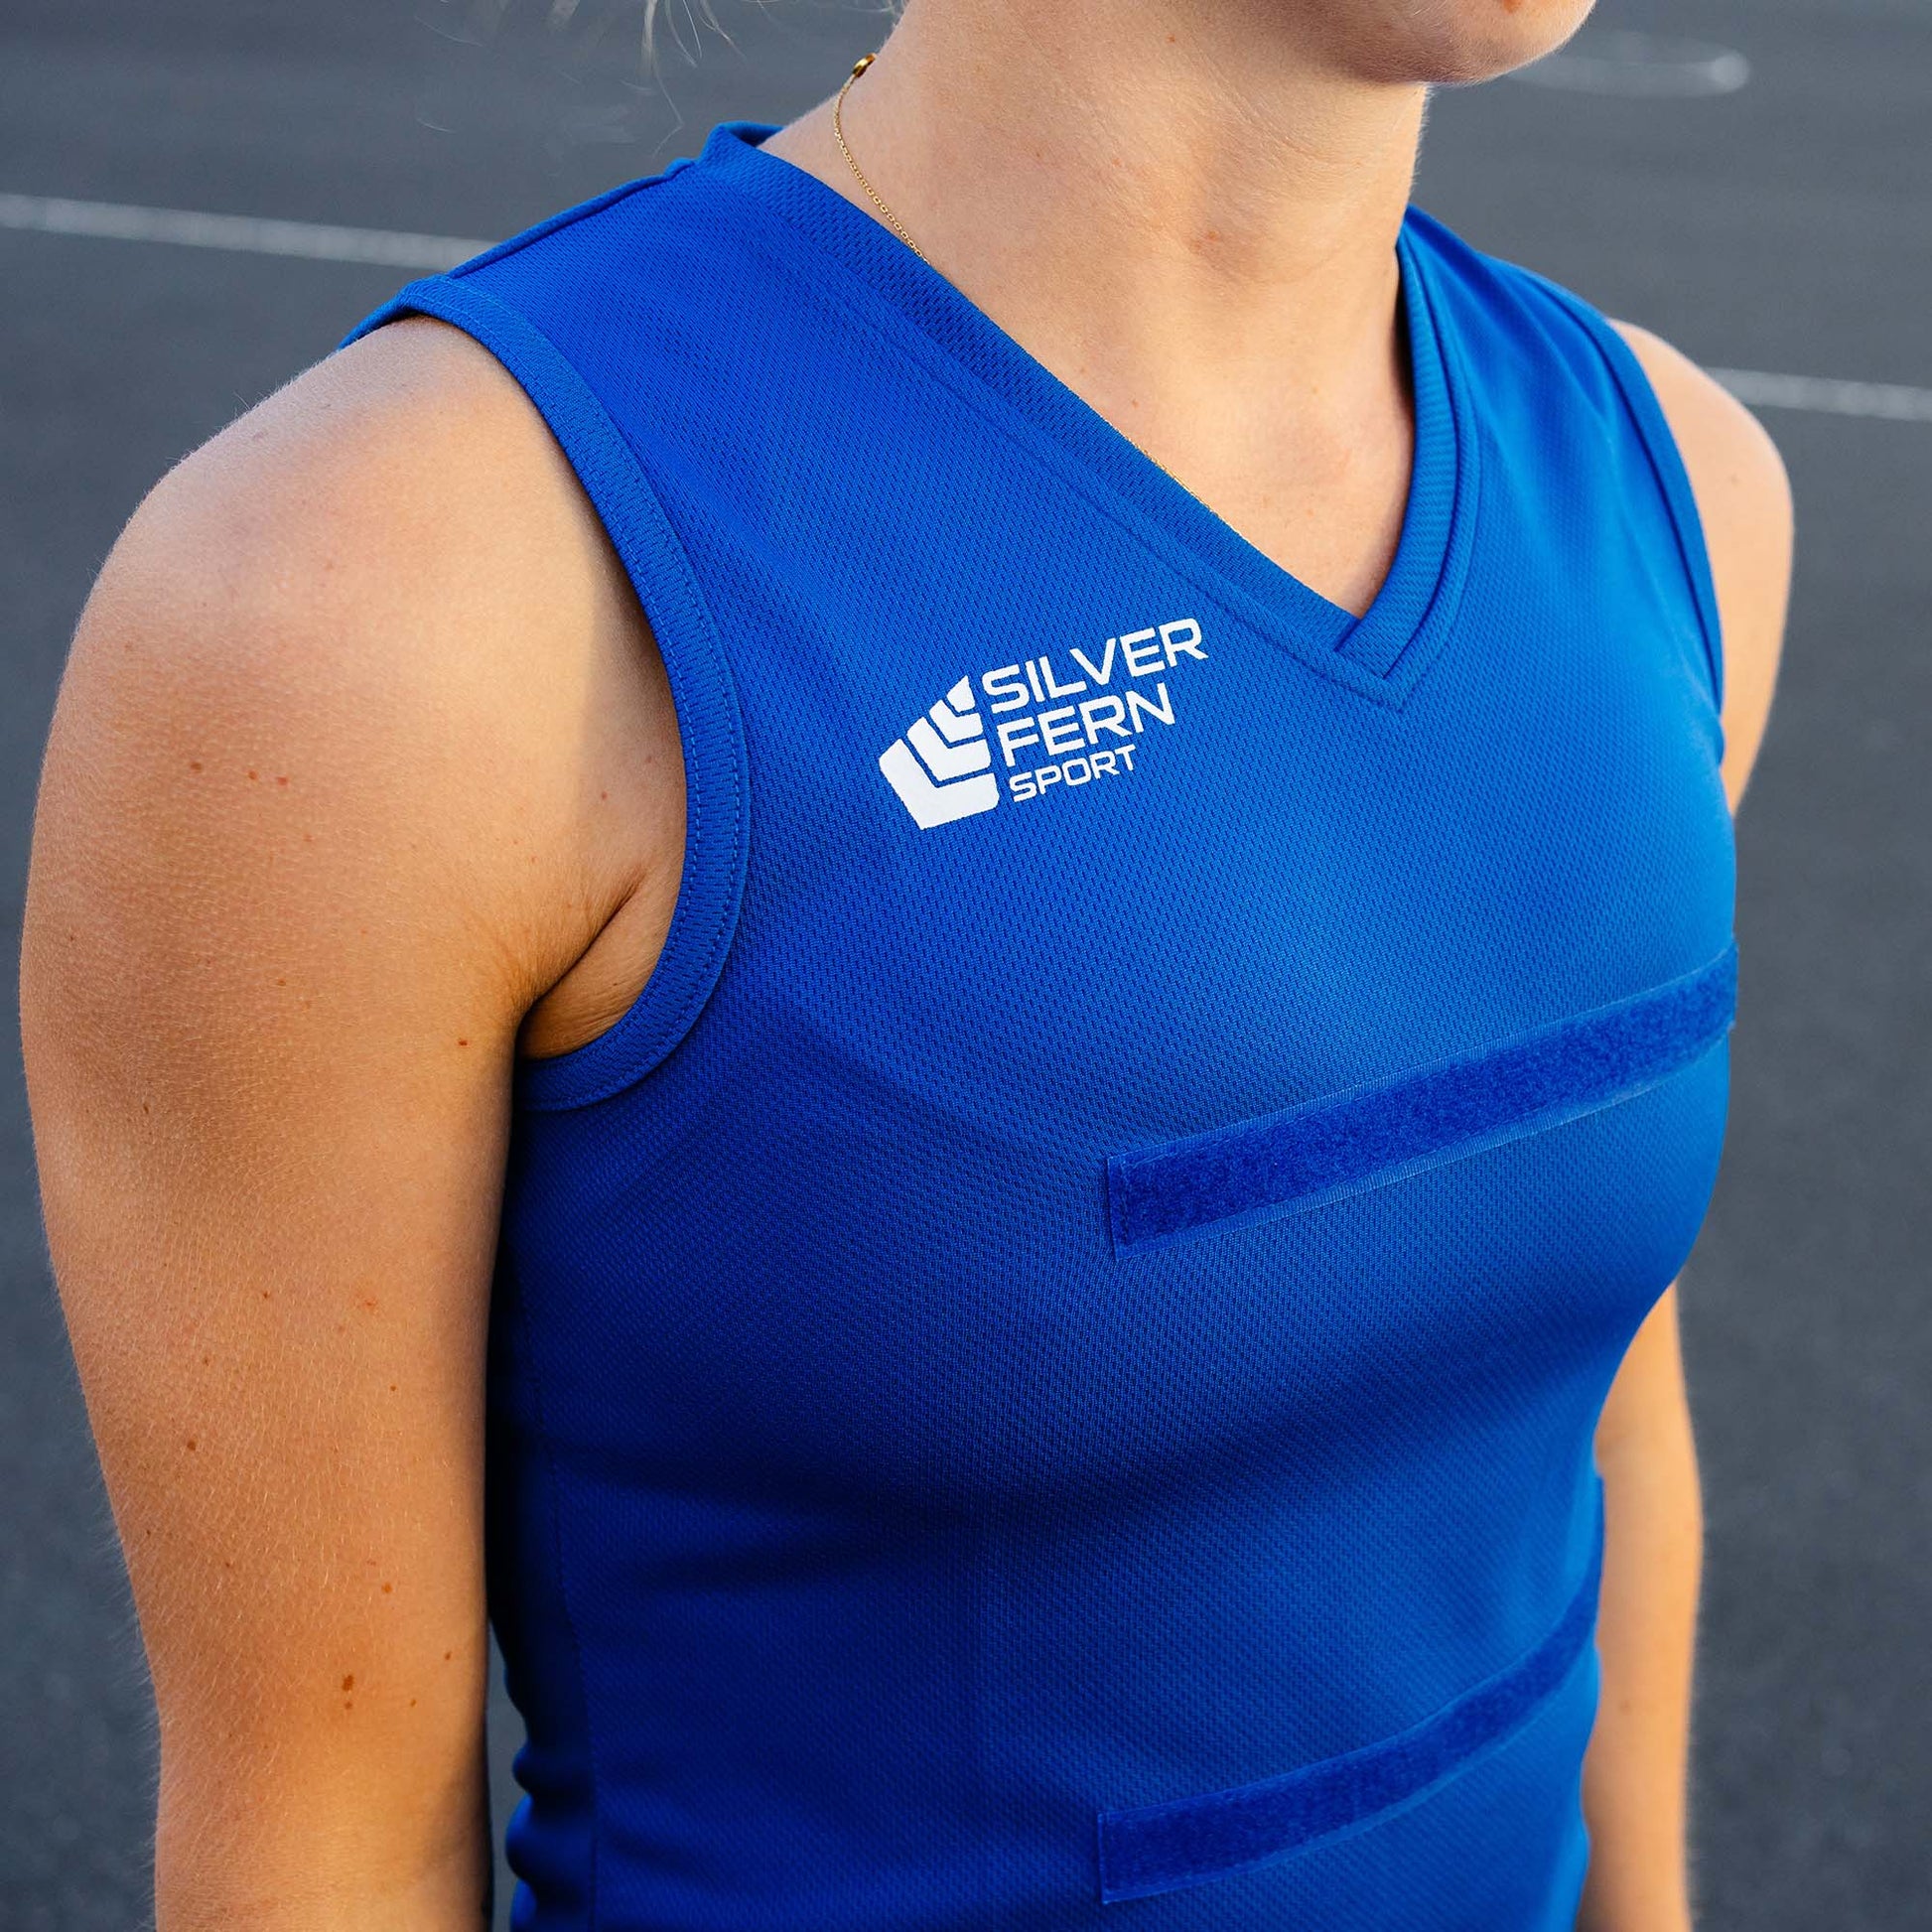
x=311, y=240
x=1826, y=395
x=386, y=248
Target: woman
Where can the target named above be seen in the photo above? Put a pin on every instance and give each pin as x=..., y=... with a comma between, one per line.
x=975, y=866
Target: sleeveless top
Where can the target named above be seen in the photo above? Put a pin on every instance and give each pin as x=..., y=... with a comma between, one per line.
x=1043, y=1375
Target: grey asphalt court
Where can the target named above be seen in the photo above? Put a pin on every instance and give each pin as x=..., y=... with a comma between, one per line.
x=1765, y=201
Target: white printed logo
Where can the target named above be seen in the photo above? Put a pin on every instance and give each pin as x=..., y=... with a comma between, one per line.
x=943, y=769
x=955, y=754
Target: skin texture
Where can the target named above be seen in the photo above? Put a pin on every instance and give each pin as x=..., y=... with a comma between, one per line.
x=365, y=778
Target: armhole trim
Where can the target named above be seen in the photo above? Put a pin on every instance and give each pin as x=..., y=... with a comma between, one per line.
x=1667, y=463
x=717, y=835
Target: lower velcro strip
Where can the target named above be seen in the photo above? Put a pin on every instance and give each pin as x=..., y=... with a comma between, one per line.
x=1189, y=1841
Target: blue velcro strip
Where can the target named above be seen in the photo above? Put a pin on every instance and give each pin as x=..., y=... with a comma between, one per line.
x=1368, y=1135
x=1189, y=1841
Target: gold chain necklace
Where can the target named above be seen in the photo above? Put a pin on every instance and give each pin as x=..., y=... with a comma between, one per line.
x=890, y=219
x=893, y=221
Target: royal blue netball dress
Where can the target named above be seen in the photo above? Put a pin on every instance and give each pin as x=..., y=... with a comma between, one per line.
x=1042, y=1376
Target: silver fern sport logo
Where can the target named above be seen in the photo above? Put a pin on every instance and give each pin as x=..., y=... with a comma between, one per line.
x=1064, y=726
x=941, y=768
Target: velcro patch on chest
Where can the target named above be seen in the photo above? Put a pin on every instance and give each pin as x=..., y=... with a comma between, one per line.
x=1371, y=1135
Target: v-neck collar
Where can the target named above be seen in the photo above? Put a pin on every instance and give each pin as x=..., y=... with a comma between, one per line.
x=1380, y=655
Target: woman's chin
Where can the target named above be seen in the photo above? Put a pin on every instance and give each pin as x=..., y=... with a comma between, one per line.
x=1457, y=43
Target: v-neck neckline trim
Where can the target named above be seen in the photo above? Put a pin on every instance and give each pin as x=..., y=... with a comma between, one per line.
x=1381, y=654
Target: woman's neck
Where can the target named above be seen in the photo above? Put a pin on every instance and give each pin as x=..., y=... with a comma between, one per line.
x=1191, y=222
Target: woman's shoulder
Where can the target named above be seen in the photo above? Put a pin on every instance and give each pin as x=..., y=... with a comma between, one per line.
x=381, y=603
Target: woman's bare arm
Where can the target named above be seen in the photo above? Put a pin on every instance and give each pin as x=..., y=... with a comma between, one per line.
x=359, y=748
x=1635, y=1776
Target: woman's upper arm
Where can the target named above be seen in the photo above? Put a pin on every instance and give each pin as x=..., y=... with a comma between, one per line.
x=311, y=841
x=1744, y=501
